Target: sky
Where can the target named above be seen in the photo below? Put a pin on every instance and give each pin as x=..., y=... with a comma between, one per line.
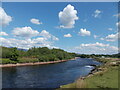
x=82, y=27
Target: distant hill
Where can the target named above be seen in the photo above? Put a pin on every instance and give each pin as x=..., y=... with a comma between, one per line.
x=19, y=49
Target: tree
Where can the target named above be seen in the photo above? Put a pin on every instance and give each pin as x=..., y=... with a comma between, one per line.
x=14, y=55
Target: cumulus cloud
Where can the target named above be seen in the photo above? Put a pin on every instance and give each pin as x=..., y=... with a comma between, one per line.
x=95, y=44
x=35, y=21
x=44, y=33
x=111, y=37
x=26, y=43
x=68, y=16
x=47, y=35
x=97, y=13
x=3, y=34
x=68, y=35
x=96, y=48
x=55, y=38
x=26, y=32
x=4, y=18
x=84, y=32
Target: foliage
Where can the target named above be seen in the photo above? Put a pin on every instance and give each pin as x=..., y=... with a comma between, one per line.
x=43, y=54
x=7, y=61
x=98, y=55
x=40, y=54
x=14, y=55
x=27, y=60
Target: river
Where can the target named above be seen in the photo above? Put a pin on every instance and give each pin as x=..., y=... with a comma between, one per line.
x=46, y=76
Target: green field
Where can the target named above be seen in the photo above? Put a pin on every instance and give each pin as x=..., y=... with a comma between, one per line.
x=106, y=77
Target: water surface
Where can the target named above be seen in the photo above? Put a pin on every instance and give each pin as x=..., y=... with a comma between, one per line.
x=46, y=76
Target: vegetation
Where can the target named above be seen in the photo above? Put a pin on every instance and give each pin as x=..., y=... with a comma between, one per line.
x=104, y=80
x=40, y=54
x=7, y=61
x=14, y=55
x=105, y=77
x=98, y=55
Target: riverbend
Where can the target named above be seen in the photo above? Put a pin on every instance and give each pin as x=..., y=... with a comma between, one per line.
x=48, y=75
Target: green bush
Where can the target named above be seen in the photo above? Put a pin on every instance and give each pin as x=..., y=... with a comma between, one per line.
x=7, y=61
x=14, y=55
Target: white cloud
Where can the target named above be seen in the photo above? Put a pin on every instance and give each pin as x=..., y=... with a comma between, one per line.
x=117, y=15
x=4, y=18
x=26, y=43
x=26, y=32
x=118, y=24
x=95, y=36
x=44, y=33
x=96, y=48
x=3, y=34
x=55, y=38
x=35, y=21
x=110, y=29
x=111, y=37
x=68, y=16
x=95, y=44
x=47, y=35
x=84, y=32
x=97, y=13
x=68, y=35
x=43, y=39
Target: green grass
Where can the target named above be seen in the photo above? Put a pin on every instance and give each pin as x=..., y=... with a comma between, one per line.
x=107, y=78
x=71, y=85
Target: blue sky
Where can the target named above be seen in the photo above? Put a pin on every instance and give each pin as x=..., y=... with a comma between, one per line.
x=81, y=27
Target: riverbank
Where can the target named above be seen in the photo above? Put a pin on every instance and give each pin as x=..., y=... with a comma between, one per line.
x=36, y=63
x=104, y=76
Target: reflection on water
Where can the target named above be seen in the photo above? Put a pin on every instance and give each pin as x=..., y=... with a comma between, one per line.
x=46, y=76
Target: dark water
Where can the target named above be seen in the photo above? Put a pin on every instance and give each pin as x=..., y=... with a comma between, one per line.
x=46, y=76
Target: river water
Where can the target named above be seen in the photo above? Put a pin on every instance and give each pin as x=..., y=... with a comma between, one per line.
x=46, y=76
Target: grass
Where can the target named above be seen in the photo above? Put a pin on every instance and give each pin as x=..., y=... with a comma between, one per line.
x=107, y=77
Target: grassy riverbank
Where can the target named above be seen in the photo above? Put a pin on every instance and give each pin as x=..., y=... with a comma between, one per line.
x=20, y=60
x=14, y=64
x=105, y=76
x=33, y=55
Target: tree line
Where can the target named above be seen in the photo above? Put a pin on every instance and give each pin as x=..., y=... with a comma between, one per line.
x=98, y=55
x=41, y=54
